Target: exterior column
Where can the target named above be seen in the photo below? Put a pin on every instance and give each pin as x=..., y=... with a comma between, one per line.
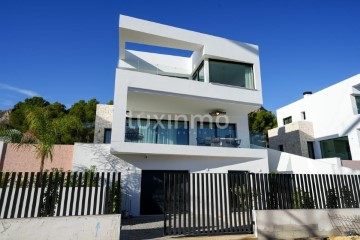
x=206, y=70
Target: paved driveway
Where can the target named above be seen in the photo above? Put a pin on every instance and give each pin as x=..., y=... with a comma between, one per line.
x=152, y=227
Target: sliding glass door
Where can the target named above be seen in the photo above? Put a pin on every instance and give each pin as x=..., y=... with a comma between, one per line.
x=151, y=131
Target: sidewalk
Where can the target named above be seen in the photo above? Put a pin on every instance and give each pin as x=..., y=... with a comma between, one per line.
x=152, y=227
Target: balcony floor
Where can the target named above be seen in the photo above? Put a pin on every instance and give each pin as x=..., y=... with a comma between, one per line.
x=118, y=148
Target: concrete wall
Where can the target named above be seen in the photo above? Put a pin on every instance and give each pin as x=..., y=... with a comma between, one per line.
x=103, y=119
x=301, y=223
x=333, y=113
x=98, y=155
x=144, y=92
x=100, y=227
x=24, y=160
x=131, y=165
x=290, y=163
x=150, y=33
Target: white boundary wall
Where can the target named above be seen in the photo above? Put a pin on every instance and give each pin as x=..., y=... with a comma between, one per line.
x=291, y=163
x=60, y=228
x=131, y=166
x=302, y=223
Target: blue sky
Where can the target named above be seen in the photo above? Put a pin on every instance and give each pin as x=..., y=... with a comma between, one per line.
x=67, y=50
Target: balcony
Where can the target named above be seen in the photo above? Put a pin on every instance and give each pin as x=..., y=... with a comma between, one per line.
x=178, y=133
x=230, y=74
x=157, y=69
x=133, y=135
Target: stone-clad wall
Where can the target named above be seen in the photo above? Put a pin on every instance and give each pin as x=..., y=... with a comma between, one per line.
x=293, y=137
x=104, y=117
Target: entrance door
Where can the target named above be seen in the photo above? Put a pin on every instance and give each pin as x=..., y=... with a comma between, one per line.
x=152, y=191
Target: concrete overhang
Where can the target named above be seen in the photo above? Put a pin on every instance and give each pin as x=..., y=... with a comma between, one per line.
x=125, y=148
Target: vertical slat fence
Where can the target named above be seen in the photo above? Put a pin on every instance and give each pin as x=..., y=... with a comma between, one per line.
x=213, y=203
x=201, y=203
x=48, y=194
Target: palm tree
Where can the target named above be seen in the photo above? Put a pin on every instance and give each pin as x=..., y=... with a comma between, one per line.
x=42, y=135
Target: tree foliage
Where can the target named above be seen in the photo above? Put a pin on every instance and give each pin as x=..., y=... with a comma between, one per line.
x=17, y=116
x=41, y=134
x=261, y=121
x=75, y=124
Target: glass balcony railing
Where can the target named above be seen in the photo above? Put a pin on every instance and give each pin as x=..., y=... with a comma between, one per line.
x=258, y=140
x=134, y=135
x=178, y=133
x=158, y=69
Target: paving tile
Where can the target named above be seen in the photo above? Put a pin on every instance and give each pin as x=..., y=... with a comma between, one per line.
x=152, y=227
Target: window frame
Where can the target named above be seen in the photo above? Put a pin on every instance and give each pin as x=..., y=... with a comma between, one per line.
x=281, y=147
x=186, y=126
x=215, y=124
x=233, y=62
x=311, y=150
x=195, y=75
x=105, y=131
x=303, y=115
x=287, y=118
x=356, y=104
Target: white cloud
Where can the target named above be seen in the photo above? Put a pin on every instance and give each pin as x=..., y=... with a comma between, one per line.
x=25, y=92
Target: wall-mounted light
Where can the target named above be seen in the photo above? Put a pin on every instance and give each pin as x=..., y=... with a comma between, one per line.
x=216, y=113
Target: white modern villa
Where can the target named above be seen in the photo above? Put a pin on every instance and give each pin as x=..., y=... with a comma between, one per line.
x=175, y=113
x=183, y=114
x=324, y=124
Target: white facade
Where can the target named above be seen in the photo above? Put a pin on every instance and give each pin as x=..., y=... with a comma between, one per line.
x=333, y=113
x=164, y=89
x=161, y=87
x=148, y=84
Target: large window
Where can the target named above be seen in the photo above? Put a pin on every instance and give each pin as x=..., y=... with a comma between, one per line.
x=357, y=100
x=199, y=73
x=211, y=134
x=216, y=130
x=336, y=147
x=151, y=131
x=231, y=73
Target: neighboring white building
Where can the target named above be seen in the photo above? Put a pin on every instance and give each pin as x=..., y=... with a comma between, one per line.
x=325, y=124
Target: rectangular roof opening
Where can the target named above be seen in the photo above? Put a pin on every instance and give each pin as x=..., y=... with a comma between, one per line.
x=158, y=50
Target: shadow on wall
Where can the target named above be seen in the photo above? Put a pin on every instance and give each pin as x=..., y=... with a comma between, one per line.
x=290, y=224
x=98, y=155
x=247, y=47
x=131, y=184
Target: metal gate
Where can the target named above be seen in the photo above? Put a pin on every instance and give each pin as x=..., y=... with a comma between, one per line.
x=207, y=203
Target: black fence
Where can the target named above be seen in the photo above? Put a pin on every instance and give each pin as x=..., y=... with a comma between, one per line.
x=305, y=191
x=59, y=194
x=211, y=203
